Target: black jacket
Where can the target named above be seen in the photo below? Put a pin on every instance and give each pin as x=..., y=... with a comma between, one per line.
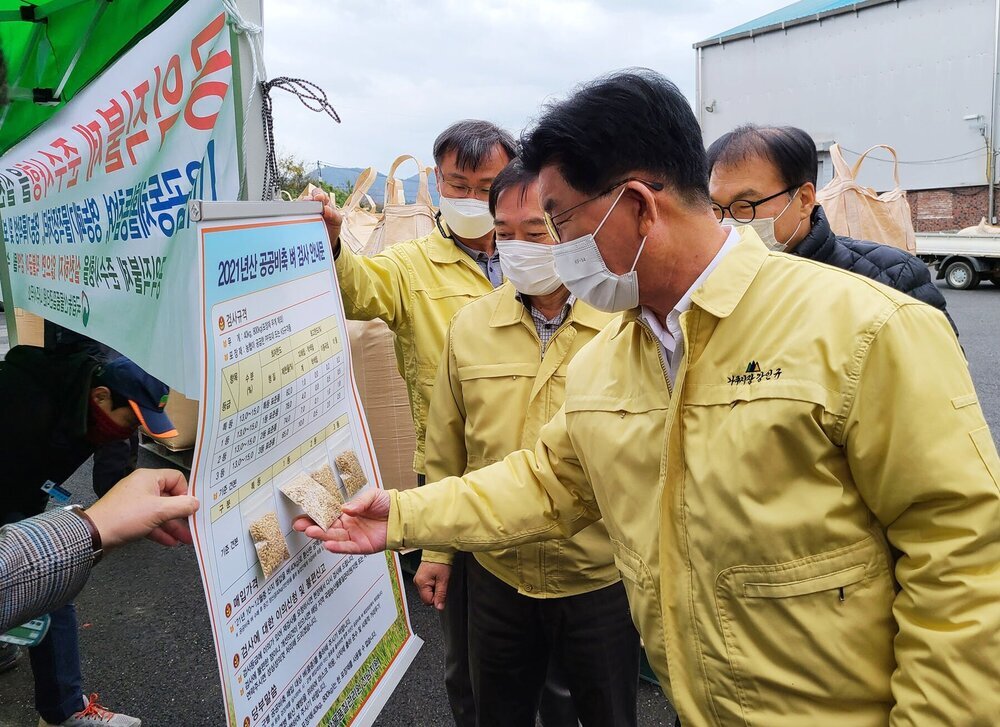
x=883, y=263
x=44, y=411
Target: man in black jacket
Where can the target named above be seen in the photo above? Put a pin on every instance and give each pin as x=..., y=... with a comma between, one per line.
x=55, y=411
x=765, y=176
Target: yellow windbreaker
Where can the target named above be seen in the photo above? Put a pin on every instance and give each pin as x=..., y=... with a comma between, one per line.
x=808, y=527
x=416, y=288
x=494, y=393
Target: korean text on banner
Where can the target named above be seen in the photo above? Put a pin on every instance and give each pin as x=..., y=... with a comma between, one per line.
x=303, y=636
x=94, y=203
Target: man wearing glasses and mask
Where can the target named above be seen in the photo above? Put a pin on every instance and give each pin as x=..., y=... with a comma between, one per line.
x=749, y=163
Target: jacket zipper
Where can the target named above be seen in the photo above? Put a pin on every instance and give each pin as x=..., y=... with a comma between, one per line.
x=659, y=352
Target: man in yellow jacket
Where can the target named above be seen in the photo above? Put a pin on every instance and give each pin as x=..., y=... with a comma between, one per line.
x=791, y=461
x=416, y=287
x=558, y=606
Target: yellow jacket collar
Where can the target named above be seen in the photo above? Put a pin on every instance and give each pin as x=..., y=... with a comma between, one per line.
x=509, y=310
x=725, y=287
x=440, y=249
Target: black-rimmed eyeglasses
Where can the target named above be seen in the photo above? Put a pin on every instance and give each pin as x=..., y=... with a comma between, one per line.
x=743, y=210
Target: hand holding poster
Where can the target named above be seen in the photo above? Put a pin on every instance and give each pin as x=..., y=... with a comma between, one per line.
x=303, y=636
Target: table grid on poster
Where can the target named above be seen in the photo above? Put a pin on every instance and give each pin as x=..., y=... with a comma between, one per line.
x=269, y=397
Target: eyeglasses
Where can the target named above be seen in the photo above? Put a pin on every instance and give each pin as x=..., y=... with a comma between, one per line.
x=743, y=210
x=550, y=220
x=460, y=191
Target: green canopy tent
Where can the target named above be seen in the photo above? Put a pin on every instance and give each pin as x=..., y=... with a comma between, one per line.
x=54, y=48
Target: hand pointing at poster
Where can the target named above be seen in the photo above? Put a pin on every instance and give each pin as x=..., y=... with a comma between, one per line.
x=361, y=529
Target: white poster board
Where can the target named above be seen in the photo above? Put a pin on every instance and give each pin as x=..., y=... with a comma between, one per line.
x=326, y=637
x=95, y=202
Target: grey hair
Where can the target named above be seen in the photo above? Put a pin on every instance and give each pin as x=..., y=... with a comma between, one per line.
x=473, y=141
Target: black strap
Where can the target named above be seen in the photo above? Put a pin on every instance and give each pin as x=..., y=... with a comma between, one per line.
x=312, y=97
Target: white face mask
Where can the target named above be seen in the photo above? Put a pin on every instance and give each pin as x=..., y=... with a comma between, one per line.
x=467, y=218
x=582, y=269
x=765, y=229
x=529, y=266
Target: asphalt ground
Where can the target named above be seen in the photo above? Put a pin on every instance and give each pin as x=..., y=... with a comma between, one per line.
x=145, y=642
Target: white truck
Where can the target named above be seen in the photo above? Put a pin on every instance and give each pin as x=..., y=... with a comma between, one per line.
x=963, y=261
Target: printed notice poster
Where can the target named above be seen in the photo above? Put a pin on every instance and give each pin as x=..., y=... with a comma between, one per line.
x=303, y=636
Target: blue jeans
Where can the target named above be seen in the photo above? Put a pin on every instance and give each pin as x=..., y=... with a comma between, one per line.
x=55, y=664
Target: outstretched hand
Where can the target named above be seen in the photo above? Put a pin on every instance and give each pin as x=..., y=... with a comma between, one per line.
x=361, y=528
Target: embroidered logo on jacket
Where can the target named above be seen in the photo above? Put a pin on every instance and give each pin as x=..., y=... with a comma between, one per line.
x=754, y=374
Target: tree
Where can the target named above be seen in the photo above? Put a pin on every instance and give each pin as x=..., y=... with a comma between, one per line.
x=293, y=178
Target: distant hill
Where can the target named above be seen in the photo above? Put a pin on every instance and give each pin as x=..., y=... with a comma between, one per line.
x=347, y=176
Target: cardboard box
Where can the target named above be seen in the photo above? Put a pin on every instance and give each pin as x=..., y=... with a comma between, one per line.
x=183, y=412
x=30, y=328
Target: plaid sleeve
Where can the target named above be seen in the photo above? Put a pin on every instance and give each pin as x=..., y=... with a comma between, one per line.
x=44, y=562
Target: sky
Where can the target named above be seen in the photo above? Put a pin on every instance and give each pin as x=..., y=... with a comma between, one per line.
x=399, y=72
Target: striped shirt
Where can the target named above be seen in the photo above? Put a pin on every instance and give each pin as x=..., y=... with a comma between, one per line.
x=44, y=562
x=489, y=264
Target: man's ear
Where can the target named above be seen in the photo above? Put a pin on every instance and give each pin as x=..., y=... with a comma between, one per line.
x=649, y=212
x=100, y=394
x=807, y=200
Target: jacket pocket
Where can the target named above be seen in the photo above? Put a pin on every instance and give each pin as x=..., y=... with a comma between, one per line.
x=644, y=604
x=812, y=636
x=496, y=400
x=803, y=391
x=817, y=584
x=445, y=291
x=497, y=371
x=779, y=428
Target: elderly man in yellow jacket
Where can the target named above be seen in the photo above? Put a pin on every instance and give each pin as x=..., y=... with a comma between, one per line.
x=791, y=461
x=560, y=603
x=416, y=287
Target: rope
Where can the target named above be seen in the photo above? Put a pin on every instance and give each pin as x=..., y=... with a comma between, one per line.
x=964, y=156
x=253, y=33
x=311, y=96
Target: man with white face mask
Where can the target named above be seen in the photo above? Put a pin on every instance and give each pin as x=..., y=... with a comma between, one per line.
x=556, y=607
x=416, y=287
x=765, y=176
x=800, y=487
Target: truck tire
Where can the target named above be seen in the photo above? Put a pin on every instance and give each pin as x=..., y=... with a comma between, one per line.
x=960, y=275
